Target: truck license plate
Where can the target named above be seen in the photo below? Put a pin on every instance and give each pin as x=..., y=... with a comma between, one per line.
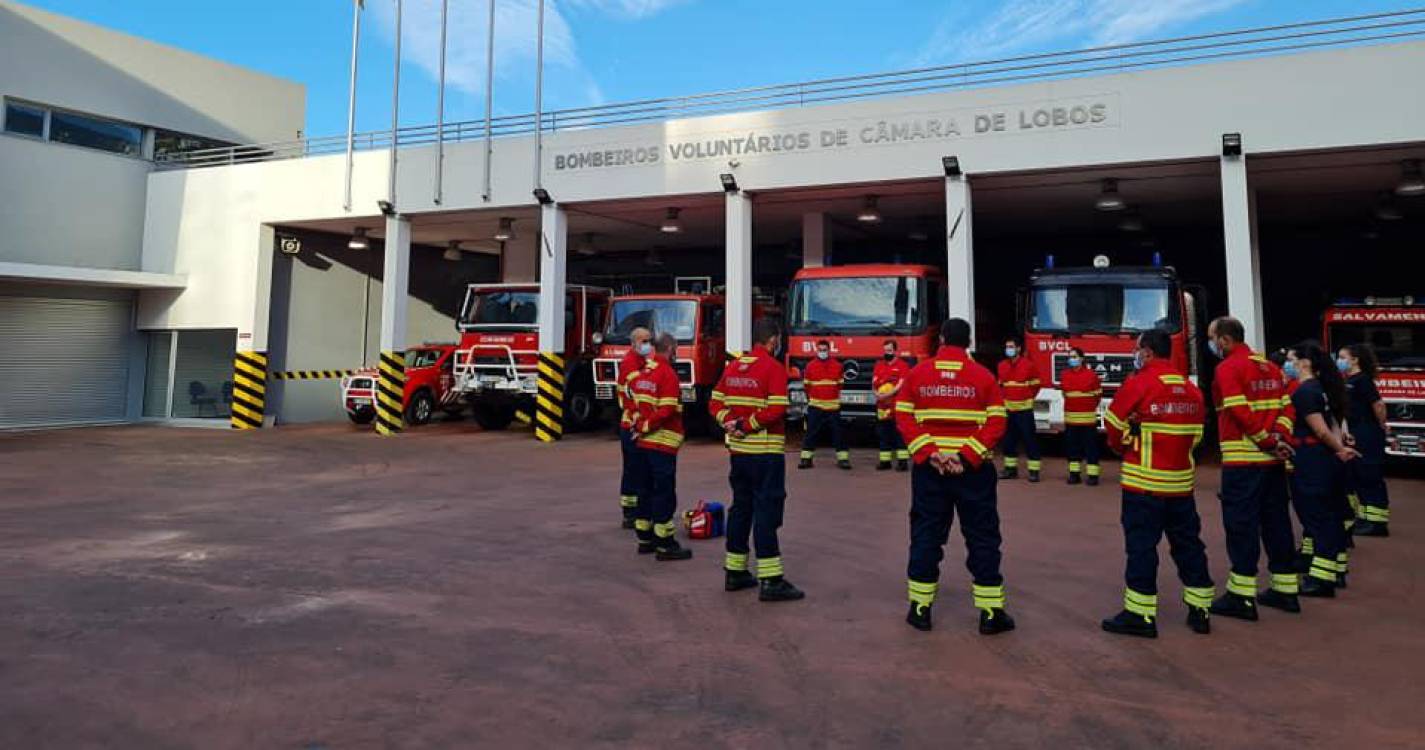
x=361, y=401
x=858, y=398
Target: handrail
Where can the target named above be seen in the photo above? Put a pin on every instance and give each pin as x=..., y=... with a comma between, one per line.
x=1266, y=40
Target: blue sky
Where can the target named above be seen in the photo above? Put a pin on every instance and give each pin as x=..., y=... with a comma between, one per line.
x=614, y=50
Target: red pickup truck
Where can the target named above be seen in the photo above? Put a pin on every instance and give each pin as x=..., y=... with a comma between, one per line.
x=429, y=386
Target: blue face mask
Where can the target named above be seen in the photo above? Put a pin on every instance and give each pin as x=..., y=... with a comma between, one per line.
x=821, y=354
x=1290, y=369
x=645, y=349
x=1139, y=360
x=1343, y=364
x=1075, y=361
x=1215, y=348
x=1010, y=352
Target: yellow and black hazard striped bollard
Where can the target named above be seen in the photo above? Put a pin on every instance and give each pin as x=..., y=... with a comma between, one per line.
x=549, y=402
x=312, y=374
x=390, y=389
x=249, y=390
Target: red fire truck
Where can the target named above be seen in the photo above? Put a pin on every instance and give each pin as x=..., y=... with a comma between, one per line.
x=496, y=364
x=856, y=308
x=695, y=320
x=1395, y=328
x=429, y=386
x=1101, y=310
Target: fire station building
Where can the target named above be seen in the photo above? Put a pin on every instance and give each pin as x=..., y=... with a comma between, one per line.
x=1269, y=167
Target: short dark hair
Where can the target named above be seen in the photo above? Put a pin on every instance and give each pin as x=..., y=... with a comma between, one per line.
x=664, y=343
x=892, y=343
x=765, y=329
x=1076, y=350
x=1011, y=339
x=1230, y=327
x=1157, y=341
x=955, y=332
x=823, y=342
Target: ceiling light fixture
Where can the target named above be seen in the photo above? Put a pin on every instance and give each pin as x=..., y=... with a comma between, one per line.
x=869, y=214
x=1232, y=144
x=586, y=245
x=1108, y=198
x=506, y=232
x=452, y=251
x=358, y=240
x=671, y=224
x=1412, y=183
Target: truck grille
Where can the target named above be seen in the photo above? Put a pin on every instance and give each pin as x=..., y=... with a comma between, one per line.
x=1112, y=369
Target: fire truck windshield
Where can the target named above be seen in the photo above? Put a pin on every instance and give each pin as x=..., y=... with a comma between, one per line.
x=499, y=308
x=876, y=305
x=1107, y=308
x=1396, y=345
x=675, y=316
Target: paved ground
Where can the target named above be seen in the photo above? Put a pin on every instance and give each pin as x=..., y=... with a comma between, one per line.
x=322, y=588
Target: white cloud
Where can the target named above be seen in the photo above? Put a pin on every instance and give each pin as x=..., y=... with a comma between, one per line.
x=1019, y=25
x=627, y=8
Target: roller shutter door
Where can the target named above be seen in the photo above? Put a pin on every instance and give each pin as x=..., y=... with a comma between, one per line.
x=63, y=361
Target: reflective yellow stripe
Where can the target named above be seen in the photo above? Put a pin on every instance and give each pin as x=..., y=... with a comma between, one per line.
x=824, y=404
x=1115, y=420
x=1286, y=583
x=744, y=401
x=822, y=382
x=1081, y=419
x=905, y=406
x=989, y=597
x=1145, y=605
x=941, y=364
x=778, y=401
x=769, y=567
x=735, y=561
x=1237, y=400
x=1020, y=383
x=1024, y=405
x=1082, y=394
x=1242, y=585
x=955, y=415
x=922, y=593
x=977, y=446
x=1164, y=428
x=914, y=446
x=1200, y=597
x=996, y=411
x=1171, y=380
x=663, y=437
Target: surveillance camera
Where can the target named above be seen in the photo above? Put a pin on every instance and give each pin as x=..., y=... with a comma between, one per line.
x=387, y=208
x=290, y=246
x=733, y=164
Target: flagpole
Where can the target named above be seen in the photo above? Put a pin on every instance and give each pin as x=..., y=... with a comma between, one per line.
x=440, y=109
x=539, y=100
x=489, y=97
x=395, y=106
x=357, y=6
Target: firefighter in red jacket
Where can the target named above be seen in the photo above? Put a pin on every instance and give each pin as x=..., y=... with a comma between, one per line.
x=1155, y=421
x=658, y=425
x=631, y=482
x=1019, y=379
x=1247, y=389
x=886, y=381
x=1082, y=392
x=750, y=402
x=822, y=378
x=951, y=414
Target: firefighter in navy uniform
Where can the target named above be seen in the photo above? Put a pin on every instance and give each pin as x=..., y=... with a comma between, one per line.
x=750, y=402
x=658, y=425
x=1251, y=428
x=951, y=414
x=886, y=381
x=1366, y=419
x=632, y=479
x=823, y=378
x=1019, y=380
x=1082, y=392
x=1155, y=422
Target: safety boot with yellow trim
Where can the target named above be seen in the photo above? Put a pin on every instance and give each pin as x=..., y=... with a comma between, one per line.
x=1129, y=623
x=995, y=621
x=1317, y=588
x=1280, y=600
x=1091, y=480
x=778, y=589
x=667, y=550
x=1199, y=621
x=1074, y=478
x=1236, y=606
x=919, y=617
x=1370, y=528
x=805, y=463
x=738, y=580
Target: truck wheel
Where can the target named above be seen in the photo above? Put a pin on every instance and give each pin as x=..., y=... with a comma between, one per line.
x=361, y=416
x=493, y=417
x=581, y=411
x=421, y=408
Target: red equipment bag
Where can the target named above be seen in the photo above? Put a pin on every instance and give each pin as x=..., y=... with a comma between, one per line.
x=705, y=521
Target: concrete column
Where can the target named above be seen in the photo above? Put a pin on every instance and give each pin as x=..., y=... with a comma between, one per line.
x=395, y=286
x=1239, y=228
x=960, y=250
x=816, y=240
x=553, y=261
x=739, y=272
x=519, y=260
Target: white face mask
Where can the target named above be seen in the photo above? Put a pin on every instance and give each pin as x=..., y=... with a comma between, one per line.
x=823, y=354
x=1010, y=352
x=644, y=349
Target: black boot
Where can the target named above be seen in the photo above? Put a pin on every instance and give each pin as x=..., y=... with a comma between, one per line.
x=1128, y=623
x=883, y=466
x=1235, y=605
x=805, y=463
x=902, y=465
x=778, y=589
x=1092, y=480
x=995, y=621
x=919, y=617
x=1370, y=528
x=737, y=580
x=1317, y=588
x=1278, y=600
x=1074, y=478
x=1302, y=564
x=628, y=517
x=1340, y=580
x=1034, y=476
x=645, y=547
x=669, y=549
x=843, y=464
x=1009, y=473
x=1199, y=621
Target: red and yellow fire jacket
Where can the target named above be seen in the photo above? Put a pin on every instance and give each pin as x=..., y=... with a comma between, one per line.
x=822, y=379
x=1020, y=380
x=1082, y=393
x=950, y=403
x=628, y=368
x=885, y=376
x=753, y=392
x=655, y=389
x=1250, y=394
x=1155, y=421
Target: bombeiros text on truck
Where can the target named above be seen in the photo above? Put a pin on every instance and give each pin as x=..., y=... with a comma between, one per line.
x=1395, y=329
x=1101, y=309
x=857, y=308
x=496, y=364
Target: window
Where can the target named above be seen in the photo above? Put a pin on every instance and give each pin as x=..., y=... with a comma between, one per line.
x=169, y=143
x=1107, y=308
x=502, y=308
x=24, y=119
x=672, y=316
x=92, y=132
x=422, y=357
x=874, y=305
